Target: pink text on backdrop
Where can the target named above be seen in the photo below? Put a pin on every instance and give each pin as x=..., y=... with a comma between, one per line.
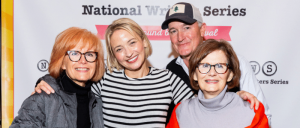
x=156, y=33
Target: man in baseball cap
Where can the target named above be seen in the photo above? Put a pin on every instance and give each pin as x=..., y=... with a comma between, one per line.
x=187, y=29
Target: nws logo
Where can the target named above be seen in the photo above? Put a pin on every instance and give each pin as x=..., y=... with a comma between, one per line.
x=255, y=67
x=269, y=68
x=43, y=65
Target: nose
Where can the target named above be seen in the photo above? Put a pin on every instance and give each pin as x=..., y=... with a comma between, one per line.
x=128, y=52
x=212, y=71
x=82, y=59
x=180, y=36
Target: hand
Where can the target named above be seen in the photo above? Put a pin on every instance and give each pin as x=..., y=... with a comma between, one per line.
x=43, y=86
x=248, y=96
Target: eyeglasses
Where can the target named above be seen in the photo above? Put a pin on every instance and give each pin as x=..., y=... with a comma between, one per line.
x=76, y=55
x=220, y=68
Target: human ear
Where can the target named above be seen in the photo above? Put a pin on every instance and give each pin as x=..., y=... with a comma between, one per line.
x=195, y=76
x=230, y=76
x=145, y=43
x=202, y=29
x=63, y=66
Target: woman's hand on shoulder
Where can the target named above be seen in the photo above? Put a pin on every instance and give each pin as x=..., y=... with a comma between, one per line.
x=248, y=96
x=43, y=86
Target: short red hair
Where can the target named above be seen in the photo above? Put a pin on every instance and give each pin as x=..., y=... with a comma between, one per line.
x=67, y=40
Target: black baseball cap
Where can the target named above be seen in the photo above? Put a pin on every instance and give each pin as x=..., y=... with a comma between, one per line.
x=184, y=12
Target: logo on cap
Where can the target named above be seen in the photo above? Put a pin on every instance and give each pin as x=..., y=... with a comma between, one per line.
x=177, y=8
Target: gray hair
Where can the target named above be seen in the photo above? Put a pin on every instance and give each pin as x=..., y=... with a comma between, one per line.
x=199, y=23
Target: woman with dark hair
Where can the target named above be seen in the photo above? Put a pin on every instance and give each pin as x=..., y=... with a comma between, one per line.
x=76, y=62
x=214, y=69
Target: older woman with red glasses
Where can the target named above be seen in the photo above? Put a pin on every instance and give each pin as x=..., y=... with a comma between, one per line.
x=76, y=62
x=214, y=69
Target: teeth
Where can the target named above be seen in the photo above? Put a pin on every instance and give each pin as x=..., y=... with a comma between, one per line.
x=81, y=69
x=211, y=81
x=132, y=59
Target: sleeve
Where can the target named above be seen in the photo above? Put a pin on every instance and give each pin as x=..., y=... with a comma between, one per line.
x=249, y=83
x=180, y=90
x=173, y=123
x=31, y=114
x=96, y=88
x=260, y=119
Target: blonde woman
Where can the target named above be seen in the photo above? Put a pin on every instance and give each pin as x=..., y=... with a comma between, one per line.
x=133, y=94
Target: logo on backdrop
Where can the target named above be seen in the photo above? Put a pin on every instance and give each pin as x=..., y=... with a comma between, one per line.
x=136, y=11
x=156, y=33
x=156, y=10
x=269, y=69
x=255, y=67
x=43, y=65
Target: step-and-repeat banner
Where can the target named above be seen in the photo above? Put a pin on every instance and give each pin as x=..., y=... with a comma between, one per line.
x=264, y=32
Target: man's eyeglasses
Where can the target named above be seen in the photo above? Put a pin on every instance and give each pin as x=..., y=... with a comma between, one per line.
x=76, y=55
x=220, y=68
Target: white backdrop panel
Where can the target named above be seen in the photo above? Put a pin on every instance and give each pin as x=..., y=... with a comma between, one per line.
x=267, y=32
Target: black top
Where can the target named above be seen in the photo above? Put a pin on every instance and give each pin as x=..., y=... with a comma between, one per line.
x=83, y=116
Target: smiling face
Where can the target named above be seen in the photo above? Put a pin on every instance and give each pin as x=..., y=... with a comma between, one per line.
x=185, y=38
x=129, y=50
x=213, y=83
x=81, y=71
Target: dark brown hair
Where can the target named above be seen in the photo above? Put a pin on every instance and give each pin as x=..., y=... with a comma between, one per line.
x=208, y=47
x=67, y=40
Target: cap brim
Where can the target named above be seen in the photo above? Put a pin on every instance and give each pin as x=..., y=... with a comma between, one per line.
x=184, y=19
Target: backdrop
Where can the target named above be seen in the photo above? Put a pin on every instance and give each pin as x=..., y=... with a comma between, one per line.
x=264, y=32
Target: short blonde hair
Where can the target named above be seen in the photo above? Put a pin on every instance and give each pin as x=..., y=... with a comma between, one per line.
x=131, y=27
x=67, y=40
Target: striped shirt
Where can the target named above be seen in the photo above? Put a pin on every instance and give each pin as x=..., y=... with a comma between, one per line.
x=141, y=102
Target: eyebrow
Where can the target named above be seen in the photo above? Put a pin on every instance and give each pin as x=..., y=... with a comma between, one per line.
x=130, y=40
x=171, y=28
x=127, y=42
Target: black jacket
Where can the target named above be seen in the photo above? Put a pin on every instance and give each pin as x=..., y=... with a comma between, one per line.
x=56, y=110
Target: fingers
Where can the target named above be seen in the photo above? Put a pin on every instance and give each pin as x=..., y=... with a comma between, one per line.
x=32, y=93
x=238, y=93
x=256, y=104
x=37, y=89
x=45, y=87
x=252, y=102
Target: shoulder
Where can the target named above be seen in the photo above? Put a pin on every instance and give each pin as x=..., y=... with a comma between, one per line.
x=245, y=66
x=186, y=105
x=237, y=101
x=160, y=72
x=39, y=99
x=51, y=81
x=157, y=70
x=172, y=64
x=114, y=72
x=242, y=60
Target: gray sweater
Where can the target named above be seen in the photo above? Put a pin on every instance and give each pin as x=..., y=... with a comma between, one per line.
x=227, y=110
